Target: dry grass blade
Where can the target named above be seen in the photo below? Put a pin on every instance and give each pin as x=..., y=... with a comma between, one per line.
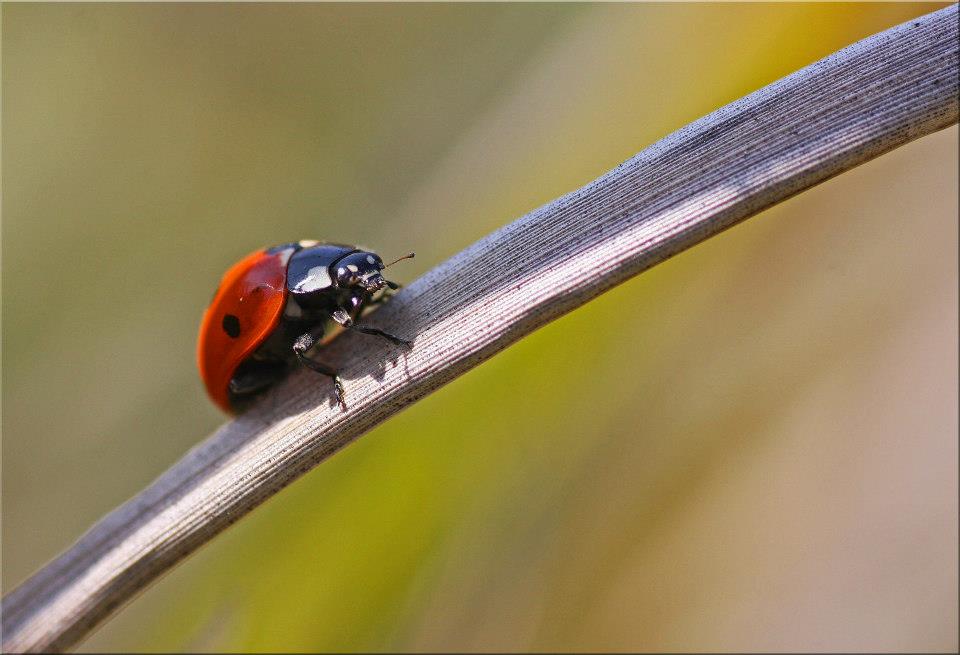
x=827, y=118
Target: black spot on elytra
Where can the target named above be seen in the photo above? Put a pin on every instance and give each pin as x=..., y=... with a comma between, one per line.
x=231, y=325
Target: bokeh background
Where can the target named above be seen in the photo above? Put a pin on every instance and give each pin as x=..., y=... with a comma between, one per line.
x=750, y=447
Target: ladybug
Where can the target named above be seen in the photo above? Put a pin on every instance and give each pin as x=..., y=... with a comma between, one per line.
x=272, y=307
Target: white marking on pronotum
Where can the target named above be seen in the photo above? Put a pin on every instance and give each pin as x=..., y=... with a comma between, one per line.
x=371, y=260
x=317, y=278
x=353, y=268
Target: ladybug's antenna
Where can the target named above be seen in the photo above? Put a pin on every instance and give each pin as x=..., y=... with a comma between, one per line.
x=400, y=259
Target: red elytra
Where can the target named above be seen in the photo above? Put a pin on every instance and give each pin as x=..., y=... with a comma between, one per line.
x=254, y=291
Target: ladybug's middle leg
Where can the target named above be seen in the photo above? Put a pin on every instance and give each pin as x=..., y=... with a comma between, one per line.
x=305, y=342
x=342, y=317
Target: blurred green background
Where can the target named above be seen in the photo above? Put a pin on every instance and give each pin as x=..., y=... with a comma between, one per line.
x=764, y=456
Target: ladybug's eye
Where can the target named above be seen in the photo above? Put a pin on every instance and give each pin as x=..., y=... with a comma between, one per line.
x=348, y=275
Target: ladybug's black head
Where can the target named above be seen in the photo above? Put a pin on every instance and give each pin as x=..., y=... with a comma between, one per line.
x=361, y=270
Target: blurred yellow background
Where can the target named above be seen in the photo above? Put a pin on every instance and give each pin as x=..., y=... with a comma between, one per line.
x=750, y=447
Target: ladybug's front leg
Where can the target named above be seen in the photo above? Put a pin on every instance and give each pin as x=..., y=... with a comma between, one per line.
x=304, y=343
x=342, y=317
x=383, y=296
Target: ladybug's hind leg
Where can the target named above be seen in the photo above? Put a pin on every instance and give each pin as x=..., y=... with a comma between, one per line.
x=255, y=375
x=301, y=345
